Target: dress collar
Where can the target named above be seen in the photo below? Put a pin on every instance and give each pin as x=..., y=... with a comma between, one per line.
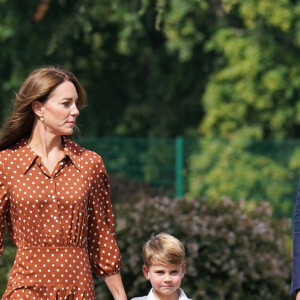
x=71, y=150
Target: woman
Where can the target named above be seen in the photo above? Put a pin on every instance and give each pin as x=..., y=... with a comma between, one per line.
x=54, y=196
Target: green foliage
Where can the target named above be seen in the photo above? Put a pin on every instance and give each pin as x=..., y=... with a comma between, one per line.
x=252, y=95
x=184, y=26
x=233, y=251
x=136, y=86
x=147, y=160
x=261, y=171
x=254, y=88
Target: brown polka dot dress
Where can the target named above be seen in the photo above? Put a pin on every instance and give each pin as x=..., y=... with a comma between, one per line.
x=62, y=223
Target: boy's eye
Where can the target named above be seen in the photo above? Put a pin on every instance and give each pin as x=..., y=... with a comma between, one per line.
x=174, y=272
x=159, y=272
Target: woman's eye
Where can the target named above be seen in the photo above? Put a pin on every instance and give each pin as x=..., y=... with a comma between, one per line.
x=66, y=104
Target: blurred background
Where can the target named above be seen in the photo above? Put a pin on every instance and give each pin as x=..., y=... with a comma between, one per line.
x=194, y=105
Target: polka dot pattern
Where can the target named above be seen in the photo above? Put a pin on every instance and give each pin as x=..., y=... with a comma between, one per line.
x=62, y=223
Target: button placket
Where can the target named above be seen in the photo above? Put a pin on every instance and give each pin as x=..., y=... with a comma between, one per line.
x=54, y=180
x=54, y=228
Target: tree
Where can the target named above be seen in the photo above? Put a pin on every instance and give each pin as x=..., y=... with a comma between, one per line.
x=254, y=91
x=137, y=84
x=251, y=95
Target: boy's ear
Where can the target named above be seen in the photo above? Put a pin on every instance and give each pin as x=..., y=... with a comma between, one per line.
x=146, y=272
x=183, y=271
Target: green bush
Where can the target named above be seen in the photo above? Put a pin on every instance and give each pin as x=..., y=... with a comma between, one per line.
x=233, y=251
x=254, y=171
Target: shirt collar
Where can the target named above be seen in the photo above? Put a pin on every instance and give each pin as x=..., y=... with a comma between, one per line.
x=25, y=154
x=182, y=295
x=71, y=150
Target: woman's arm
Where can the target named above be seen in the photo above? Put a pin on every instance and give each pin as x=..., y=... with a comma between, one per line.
x=115, y=285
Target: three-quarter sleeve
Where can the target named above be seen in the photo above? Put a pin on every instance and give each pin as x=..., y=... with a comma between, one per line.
x=4, y=204
x=104, y=253
x=296, y=246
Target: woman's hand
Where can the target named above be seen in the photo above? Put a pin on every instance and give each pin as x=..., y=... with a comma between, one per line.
x=115, y=285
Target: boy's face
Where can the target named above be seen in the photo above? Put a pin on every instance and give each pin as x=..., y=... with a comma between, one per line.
x=165, y=279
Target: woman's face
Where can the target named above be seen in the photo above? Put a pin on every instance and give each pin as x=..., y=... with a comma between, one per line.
x=60, y=109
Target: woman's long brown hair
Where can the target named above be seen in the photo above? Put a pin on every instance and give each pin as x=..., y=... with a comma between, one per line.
x=37, y=87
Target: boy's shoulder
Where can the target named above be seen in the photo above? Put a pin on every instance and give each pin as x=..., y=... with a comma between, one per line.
x=140, y=298
x=183, y=296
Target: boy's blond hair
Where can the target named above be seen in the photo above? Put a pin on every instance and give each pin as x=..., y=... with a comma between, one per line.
x=163, y=249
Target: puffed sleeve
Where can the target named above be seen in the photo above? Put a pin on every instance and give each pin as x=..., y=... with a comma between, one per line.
x=4, y=204
x=296, y=246
x=103, y=250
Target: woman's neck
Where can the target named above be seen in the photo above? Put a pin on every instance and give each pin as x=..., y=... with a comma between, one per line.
x=44, y=143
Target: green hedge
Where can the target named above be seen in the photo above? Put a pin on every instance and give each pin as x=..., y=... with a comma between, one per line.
x=233, y=251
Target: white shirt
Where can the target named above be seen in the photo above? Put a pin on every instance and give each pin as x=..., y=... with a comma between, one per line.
x=182, y=296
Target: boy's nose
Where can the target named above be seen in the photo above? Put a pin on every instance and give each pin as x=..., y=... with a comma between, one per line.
x=168, y=277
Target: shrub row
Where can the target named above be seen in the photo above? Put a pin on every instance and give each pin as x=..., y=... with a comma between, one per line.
x=234, y=251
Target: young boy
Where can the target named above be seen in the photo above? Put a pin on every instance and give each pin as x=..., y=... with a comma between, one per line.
x=164, y=266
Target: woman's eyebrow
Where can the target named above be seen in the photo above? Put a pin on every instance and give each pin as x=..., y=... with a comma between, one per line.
x=69, y=98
